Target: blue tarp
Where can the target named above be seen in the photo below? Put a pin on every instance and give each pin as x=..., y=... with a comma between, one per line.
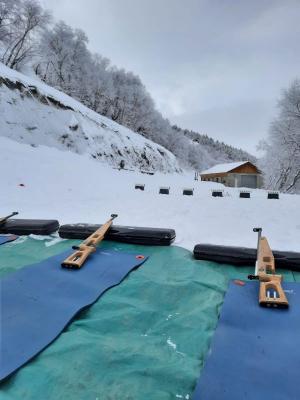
x=255, y=353
x=146, y=338
x=40, y=300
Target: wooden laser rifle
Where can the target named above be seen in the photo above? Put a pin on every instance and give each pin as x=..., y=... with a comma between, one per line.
x=88, y=246
x=4, y=219
x=271, y=293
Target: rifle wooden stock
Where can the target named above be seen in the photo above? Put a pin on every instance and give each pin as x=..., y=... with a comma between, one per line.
x=271, y=293
x=87, y=247
x=270, y=285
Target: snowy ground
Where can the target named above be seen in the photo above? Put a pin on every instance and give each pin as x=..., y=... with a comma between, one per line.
x=74, y=188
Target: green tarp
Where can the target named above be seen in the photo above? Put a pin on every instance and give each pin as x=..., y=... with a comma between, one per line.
x=144, y=339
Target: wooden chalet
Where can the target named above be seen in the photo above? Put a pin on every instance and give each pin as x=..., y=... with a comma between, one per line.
x=237, y=174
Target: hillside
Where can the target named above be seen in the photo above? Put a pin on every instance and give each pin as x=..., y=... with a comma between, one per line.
x=215, y=149
x=71, y=197
x=36, y=114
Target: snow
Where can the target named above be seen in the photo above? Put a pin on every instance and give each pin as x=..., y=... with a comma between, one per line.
x=31, y=118
x=221, y=168
x=74, y=188
x=171, y=344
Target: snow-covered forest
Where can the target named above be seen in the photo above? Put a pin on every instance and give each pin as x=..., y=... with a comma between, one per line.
x=36, y=114
x=30, y=40
x=59, y=55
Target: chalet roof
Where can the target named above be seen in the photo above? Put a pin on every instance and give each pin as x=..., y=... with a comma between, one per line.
x=221, y=168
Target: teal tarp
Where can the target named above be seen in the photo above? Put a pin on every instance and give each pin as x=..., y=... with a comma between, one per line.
x=145, y=339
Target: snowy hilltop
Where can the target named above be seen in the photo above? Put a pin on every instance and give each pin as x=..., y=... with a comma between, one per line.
x=36, y=114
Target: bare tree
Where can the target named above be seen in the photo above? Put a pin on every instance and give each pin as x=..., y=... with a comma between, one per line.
x=20, y=23
x=281, y=163
x=8, y=16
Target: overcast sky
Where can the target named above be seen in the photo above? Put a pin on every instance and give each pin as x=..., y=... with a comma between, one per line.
x=214, y=66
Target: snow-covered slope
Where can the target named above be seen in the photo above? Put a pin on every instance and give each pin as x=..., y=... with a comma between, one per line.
x=36, y=114
x=74, y=188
